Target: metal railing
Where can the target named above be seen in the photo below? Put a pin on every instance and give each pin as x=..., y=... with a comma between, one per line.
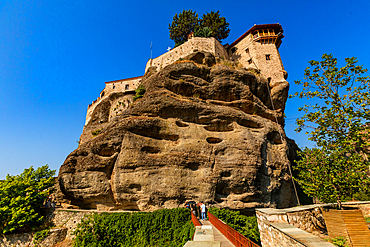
x=235, y=237
x=195, y=220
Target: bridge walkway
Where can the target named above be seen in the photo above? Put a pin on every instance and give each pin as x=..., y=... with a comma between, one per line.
x=218, y=236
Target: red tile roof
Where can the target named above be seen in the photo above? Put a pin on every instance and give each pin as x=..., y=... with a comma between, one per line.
x=132, y=78
x=255, y=27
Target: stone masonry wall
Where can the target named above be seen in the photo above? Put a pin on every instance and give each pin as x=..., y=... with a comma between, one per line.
x=307, y=218
x=271, y=236
x=55, y=236
x=247, y=50
x=68, y=219
x=126, y=85
x=192, y=45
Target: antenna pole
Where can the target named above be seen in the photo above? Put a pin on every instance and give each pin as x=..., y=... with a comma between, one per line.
x=151, y=50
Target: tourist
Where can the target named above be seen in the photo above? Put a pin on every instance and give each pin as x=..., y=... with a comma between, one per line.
x=203, y=207
x=193, y=209
x=198, y=210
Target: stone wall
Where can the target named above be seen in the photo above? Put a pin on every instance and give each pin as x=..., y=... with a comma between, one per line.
x=114, y=103
x=68, y=219
x=56, y=235
x=272, y=236
x=298, y=226
x=192, y=45
x=125, y=85
x=251, y=54
x=129, y=84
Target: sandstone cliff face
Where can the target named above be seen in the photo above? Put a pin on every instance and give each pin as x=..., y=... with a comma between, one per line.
x=203, y=131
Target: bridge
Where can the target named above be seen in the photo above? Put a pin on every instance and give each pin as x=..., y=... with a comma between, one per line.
x=215, y=233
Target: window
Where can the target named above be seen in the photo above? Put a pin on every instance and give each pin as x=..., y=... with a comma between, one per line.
x=126, y=87
x=247, y=50
x=233, y=50
x=250, y=61
x=268, y=57
x=114, y=86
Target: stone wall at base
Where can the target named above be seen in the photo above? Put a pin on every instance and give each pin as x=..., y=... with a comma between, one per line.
x=56, y=235
x=68, y=219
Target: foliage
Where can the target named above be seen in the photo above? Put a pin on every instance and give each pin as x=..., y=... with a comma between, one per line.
x=218, y=25
x=204, y=32
x=182, y=25
x=166, y=227
x=339, y=241
x=22, y=197
x=245, y=225
x=139, y=92
x=210, y=25
x=338, y=118
x=39, y=236
x=96, y=132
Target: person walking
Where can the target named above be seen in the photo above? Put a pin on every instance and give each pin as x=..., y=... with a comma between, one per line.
x=203, y=207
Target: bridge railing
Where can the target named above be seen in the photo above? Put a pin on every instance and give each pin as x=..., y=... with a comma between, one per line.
x=195, y=220
x=235, y=237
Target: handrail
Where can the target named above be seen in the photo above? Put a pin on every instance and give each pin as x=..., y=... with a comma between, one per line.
x=235, y=237
x=195, y=220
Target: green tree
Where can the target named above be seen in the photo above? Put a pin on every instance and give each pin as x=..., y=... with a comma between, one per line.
x=22, y=197
x=182, y=26
x=217, y=24
x=210, y=25
x=202, y=32
x=337, y=118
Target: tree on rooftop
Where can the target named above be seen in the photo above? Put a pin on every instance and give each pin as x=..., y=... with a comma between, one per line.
x=210, y=25
x=337, y=117
x=182, y=26
x=217, y=24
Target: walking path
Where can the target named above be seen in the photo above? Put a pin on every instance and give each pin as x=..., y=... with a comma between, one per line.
x=218, y=235
x=207, y=235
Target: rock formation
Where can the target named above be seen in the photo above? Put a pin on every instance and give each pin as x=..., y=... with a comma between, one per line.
x=204, y=131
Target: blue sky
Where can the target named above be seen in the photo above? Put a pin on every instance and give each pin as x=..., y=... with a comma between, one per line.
x=56, y=55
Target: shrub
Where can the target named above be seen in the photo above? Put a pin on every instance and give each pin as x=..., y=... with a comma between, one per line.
x=97, y=131
x=139, y=92
x=22, y=197
x=165, y=227
x=245, y=225
x=338, y=241
x=39, y=236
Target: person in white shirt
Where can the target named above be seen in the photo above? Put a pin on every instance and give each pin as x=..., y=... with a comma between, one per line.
x=203, y=207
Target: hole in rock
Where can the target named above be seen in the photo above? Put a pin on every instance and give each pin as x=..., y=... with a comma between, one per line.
x=274, y=137
x=152, y=150
x=107, y=152
x=222, y=189
x=135, y=186
x=219, y=127
x=225, y=174
x=153, y=132
x=192, y=166
x=213, y=140
x=249, y=123
x=82, y=153
x=181, y=124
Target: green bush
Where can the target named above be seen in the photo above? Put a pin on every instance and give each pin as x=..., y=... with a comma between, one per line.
x=338, y=241
x=22, y=197
x=165, y=227
x=97, y=131
x=245, y=225
x=39, y=236
x=139, y=92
